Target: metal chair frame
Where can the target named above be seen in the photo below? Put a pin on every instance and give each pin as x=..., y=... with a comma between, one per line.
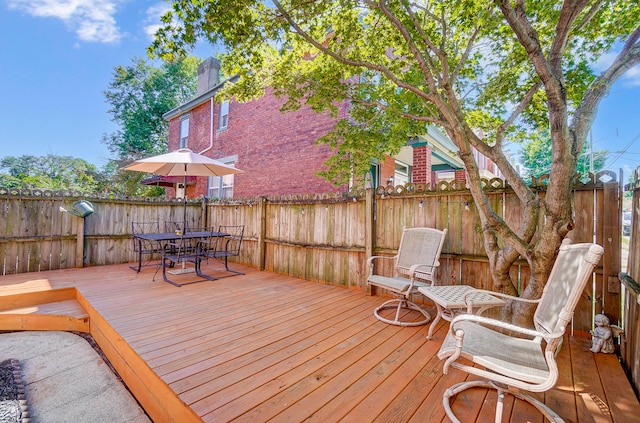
x=415, y=266
x=144, y=248
x=221, y=248
x=511, y=358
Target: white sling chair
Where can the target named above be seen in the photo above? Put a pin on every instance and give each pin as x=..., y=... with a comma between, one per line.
x=415, y=266
x=510, y=357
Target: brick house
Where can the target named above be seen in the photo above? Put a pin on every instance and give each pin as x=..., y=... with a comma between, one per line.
x=277, y=151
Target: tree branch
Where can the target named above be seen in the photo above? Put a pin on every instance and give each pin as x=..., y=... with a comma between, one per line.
x=491, y=222
x=350, y=62
x=524, y=102
x=429, y=119
x=628, y=57
x=517, y=20
x=424, y=39
x=415, y=51
x=595, y=7
x=467, y=52
x=568, y=14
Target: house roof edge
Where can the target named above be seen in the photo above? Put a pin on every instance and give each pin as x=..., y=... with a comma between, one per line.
x=196, y=101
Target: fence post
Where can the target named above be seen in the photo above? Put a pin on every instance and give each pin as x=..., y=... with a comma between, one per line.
x=262, y=231
x=80, y=242
x=369, y=231
x=611, y=258
x=204, y=216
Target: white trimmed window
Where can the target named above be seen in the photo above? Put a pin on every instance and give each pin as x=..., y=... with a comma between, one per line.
x=184, y=132
x=222, y=186
x=402, y=173
x=223, y=119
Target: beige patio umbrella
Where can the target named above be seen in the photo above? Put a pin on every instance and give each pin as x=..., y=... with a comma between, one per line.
x=182, y=162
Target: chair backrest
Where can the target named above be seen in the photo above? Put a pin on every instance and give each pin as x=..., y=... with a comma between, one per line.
x=420, y=246
x=147, y=227
x=571, y=271
x=142, y=227
x=171, y=226
x=185, y=245
x=230, y=246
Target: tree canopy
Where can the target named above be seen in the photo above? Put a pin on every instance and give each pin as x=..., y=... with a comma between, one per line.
x=536, y=157
x=139, y=94
x=51, y=172
x=502, y=69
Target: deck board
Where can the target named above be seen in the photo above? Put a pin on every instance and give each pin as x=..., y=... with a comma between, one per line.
x=65, y=307
x=267, y=347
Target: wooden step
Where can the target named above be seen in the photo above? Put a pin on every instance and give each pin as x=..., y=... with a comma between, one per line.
x=54, y=309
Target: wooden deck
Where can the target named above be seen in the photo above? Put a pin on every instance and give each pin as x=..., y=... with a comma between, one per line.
x=264, y=346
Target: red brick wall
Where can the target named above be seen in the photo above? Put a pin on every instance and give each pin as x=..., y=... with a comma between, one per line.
x=421, y=173
x=199, y=127
x=387, y=170
x=277, y=151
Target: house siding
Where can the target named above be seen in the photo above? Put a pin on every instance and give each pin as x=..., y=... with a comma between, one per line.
x=387, y=170
x=276, y=151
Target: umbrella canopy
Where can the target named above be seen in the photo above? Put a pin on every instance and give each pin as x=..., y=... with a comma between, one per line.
x=167, y=181
x=183, y=162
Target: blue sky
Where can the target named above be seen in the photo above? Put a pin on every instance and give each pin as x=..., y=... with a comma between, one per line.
x=58, y=57
x=57, y=60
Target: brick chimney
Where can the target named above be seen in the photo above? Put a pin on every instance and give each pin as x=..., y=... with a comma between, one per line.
x=208, y=75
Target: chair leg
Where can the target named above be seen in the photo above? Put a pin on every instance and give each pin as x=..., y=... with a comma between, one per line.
x=164, y=274
x=401, y=304
x=198, y=265
x=226, y=266
x=547, y=412
x=198, y=272
x=499, y=406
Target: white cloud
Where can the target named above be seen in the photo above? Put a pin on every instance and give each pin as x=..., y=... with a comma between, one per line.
x=631, y=78
x=604, y=61
x=92, y=20
x=152, y=23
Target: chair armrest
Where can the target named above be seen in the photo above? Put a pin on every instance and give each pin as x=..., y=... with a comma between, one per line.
x=414, y=268
x=458, y=333
x=487, y=321
x=372, y=258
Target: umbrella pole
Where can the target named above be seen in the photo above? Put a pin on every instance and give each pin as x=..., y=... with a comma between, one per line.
x=184, y=200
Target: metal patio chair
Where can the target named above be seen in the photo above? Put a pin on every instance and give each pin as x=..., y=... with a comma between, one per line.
x=182, y=250
x=144, y=249
x=415, y=266
x=223, y=247
x=511, y=358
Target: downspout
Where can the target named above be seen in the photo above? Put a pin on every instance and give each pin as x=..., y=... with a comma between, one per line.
x=204, y=214
x=210, y=128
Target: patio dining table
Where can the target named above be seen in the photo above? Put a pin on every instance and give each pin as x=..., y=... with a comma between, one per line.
x=164, y=237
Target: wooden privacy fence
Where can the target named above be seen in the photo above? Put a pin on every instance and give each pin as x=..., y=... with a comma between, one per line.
x=324, y=238
x=327, y=239
x=37, y=234
x=630, y=348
